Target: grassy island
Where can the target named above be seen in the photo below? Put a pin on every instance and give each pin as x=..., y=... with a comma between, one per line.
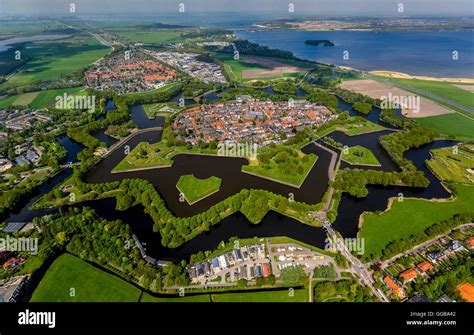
x=282, y=164
x=195, y=189
x=359, y=155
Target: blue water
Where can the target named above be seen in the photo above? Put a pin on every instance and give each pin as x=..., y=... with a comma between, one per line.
x=417, y=53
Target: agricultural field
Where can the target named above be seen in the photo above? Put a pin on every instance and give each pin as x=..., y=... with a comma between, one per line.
x=49, y=60
x=68, y=271
x=25, y=99
x=195, y=189
x=151, y=36
x=411, y=216
x=377, y=90
x=38, y=99
x=359, y=155
x=458, y=125
x=9, y=27
x=282, y=164
x=8, y=101
x=449, y=164
x=452, y=91
x=249, y=68
x=47, y=98
x=233, y=67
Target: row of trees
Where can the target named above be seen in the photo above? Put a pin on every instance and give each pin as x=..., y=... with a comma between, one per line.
x=353, y=97
x=342, y=290
x=390, y=116
x=354, y=181
x=254, y=204
x=362, y=107
x=397, y=143
x=108, y=243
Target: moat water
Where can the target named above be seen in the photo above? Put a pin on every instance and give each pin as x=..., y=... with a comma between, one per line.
x=233, y=180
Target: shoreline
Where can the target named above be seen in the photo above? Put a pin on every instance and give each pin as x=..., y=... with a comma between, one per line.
x=401, y=75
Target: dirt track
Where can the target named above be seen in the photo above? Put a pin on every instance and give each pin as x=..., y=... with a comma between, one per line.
x=377, y=90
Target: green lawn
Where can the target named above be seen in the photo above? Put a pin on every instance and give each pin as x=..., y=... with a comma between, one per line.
x=439, y=88
x=362, y=127
x=299, y=295
x=282, y=164
x=410, y=217
x=450, y=166
x=144, y=155
x=187, y=298
x=90, y=284
x=359, y=155
x=195, y=189
x=457, y=125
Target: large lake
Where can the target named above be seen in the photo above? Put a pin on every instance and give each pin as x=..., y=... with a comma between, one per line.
x=417, y=53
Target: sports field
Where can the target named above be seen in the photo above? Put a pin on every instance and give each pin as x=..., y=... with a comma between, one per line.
x=70, y=274
x=410, y=217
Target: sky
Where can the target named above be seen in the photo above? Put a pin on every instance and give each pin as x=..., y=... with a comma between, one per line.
x=277, y=7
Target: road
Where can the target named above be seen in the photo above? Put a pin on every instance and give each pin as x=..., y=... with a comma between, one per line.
x=357, y=267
